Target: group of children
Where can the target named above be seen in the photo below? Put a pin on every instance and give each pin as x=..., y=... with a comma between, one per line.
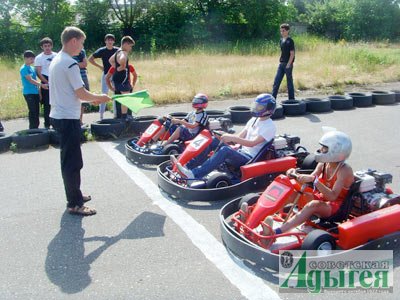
x=118, y=76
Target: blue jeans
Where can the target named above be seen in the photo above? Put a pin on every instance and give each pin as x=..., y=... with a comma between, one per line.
x=225, y=153
x=282, y=71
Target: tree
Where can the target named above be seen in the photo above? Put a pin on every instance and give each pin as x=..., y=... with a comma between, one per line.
x=47, y=17
x=130, y=12
x=93, y=17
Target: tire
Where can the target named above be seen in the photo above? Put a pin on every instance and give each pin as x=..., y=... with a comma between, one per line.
x=341, y=102
x=54, y=137
x=278, y=113
x=31, y=138
x=319, y=240
x=140, y=124
x=294, y=107
x=383, y=98
x=240, y=114
x=250, y=199
x=171, y=149
x=218, y=180
x=317, y=105
x=361, y=99
x=178, y=115
x=212, y=113
x=397, y=95
x=5, y=142
x=108, y=128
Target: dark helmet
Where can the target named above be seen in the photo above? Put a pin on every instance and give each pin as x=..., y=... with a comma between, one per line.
x=200, y=101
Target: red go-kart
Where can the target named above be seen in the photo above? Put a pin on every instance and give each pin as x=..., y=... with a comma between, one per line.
x=367, y=219
x=144, y=150
x=227, y=182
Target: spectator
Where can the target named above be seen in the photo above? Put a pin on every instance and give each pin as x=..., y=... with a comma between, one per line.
x=285, y=63
x=82, y=62
x=30, y=88
x=42, y=63
x=104, y=53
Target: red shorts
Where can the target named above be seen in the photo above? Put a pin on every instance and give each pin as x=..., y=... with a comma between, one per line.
x=334, y=205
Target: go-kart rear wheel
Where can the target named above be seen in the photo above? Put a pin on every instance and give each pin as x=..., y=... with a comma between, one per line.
x=171, y=149
x=250, y=199
x=319, y=240
x=218, y=180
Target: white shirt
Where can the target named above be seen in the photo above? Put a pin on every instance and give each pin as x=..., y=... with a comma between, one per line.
x=43, y=61
x=265, y=128
x=64, y=79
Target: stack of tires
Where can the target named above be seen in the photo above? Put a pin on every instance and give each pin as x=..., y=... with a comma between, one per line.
x=317, y=105
x=294, y=107
x=5, y=142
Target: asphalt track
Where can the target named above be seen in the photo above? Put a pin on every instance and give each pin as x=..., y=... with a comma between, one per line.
x=141, y=244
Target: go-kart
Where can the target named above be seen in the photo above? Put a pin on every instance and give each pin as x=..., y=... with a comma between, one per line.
x=367, y=219
x=227, y=182
x=142, y=149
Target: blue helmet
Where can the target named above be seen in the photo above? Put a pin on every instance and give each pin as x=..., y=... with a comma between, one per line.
x=263, y=106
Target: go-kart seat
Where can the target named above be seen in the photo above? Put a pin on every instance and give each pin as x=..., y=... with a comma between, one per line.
x=266, y=152
x=344, y=210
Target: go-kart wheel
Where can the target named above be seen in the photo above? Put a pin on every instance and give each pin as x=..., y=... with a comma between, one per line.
x=171, y=149
x=218, y=180
x=318, y=240
x=250, y=199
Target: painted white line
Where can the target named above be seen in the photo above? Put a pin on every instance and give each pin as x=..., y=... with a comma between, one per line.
x=250, y=286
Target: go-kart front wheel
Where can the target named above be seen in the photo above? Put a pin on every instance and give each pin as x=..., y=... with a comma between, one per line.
x=250, y=199
x=171, y=149
x=319, y=240
x=218, y=180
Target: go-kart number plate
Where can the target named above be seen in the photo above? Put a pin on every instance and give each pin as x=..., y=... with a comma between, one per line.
x=151, y=129
x=198, y=142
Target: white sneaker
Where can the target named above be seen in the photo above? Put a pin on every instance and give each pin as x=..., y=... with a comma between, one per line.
x=173, y=160
x=184, y=171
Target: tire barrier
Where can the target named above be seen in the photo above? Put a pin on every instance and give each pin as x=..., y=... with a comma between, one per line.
x=361, y=99
x=341, y=102
x=140, y=124
x=294, y=107
x=396, y=94
x=178, y=115
x=213, y=113
x=240, y=114
x=108, y=128
x=278, y=113
x=383, y=98
x=317, y=105
x=5, y=142
x=31, y=138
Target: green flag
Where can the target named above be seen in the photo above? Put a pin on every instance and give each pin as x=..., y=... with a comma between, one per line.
x=135, y=101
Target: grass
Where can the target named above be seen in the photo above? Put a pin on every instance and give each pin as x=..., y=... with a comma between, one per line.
x=233, y=70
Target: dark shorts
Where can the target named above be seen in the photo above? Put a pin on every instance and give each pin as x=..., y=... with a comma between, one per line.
x=185, y=134
x=123, y=87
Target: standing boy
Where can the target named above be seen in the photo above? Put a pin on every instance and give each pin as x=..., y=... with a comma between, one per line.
x=285, y=63
x=30, y=88
x=120, y=78
x=66, y=90
x=42, y=63
x=104, y=53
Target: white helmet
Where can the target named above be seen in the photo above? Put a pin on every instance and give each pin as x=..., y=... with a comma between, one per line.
x=339, y=147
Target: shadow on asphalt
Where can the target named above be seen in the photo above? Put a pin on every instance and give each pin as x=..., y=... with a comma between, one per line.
x=68, y=267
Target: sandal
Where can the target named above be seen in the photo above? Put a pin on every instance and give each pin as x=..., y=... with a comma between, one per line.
x=86, y=198
x=82, y=211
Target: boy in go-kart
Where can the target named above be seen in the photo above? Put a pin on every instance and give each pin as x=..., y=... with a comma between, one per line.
x=332, y=178
x=191, y=125
x=259, y=130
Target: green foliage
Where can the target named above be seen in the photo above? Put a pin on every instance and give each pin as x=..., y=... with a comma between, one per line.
x=354, y=19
